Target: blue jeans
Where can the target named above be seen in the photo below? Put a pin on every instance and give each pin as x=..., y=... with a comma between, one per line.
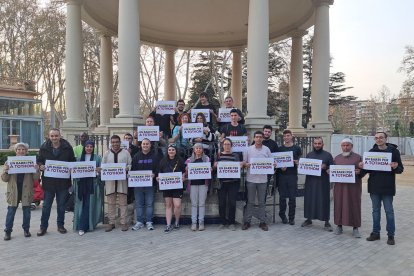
x=376, y=213
x=11, y=211
x=144, y=201
x=61, y=197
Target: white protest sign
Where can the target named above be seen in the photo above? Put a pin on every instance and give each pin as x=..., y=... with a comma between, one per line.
x=199, y=170
x=169, y=181
x=228, y=169
x=261, y=166
x=125, y=144
x=150, y=132
x=165, y=107
x=140, y=179
x=192, y=130
x=113, y=171
x=21, y=164
x=310, y=166
x=83, y=169
x=194, y=113
x=57, y=169
x=342, y=173
x=239, y=143
x=283, y=159
x=224, y=115
x=377, y=161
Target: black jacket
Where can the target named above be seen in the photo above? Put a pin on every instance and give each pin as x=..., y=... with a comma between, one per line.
x=383, y=182
x=46, y=153
x=145, y=162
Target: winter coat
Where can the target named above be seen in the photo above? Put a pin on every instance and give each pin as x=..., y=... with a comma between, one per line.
x=27, y=191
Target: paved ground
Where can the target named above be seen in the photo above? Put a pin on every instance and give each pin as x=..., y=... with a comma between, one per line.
x=283, y=250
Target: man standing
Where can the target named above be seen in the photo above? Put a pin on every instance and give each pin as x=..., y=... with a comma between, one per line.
x=267, y=141
x=317, y=188
x=256, y=183
x=55, y=148
x=287, y=179
x=234, y=128
x=381, y=188
x=116, y=188
x=178, y=111
x=228, y=103
x=203, y=103
x=132, y=149
x=347, y=196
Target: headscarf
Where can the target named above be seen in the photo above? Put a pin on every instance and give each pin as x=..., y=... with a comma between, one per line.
x=85, y=187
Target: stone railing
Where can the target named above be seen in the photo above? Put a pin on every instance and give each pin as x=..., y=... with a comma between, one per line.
x=19, y=84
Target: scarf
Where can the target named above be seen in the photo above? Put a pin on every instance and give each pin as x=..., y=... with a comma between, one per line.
x=85, y=187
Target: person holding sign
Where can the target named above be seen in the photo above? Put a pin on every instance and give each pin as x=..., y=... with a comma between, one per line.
x=229, y=187
x=287, y=179
x=179, y=109
x=229, y=105
x=172, y=163
x=116, y=188
x=88, y=195
x=234, y=128
x=19, y=188
x=163, y=121
x=347, y=196
x=256, y=183
x=55, y=148
x=198, y=189
x=203, y=103
x=317, y=188
x=208, y=135
x=381, y=188
x=177, y=135
x=145, y=160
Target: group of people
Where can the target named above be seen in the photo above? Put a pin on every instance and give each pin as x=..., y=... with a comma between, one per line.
x=167, y=156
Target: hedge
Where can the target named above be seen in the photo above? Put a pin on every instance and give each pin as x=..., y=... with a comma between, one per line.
x=4, y=154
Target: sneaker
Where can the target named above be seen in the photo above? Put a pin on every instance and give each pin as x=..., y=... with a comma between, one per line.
x=232, y=227
x=150, y=226
x=355, y=233
x=391, y=240
x=81, y=232
x=222, y=227
x=201, y=226
x=176, y=226
x=264, y=226
x=168, y=229
x=328, y=227
x=27, y=234
x=7, y=236
x=137, y=226
x=194, y=227
x=306, y=223
x=108, y=227
x=338, y=230
x=124, y=227
x=292, y=221
x=246, y=226
x=373, y=237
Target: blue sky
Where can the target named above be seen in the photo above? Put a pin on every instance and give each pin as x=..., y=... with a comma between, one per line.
x=368, y=39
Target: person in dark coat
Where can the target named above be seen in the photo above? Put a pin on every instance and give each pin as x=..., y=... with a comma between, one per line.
x=381, y=188
x=55, y=148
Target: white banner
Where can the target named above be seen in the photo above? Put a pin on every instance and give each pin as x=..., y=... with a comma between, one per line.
x=342, y=173
x=199, y=170
x=240, y=143
x=165, y=107
x=169, y=181
x=150, y=132
x=228, y=169
x=309, y=166
x=194, y=113
x=140, y=179
x=57, y=169
x=125, y=144
x=21, y=164
x=377, y=161
x=261, y=166
x=224, y=115
x=283, y=159
x=113, y=171
x=83, y=169
x=192, y=130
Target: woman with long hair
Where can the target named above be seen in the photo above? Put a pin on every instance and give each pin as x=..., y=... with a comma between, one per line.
x=177, y=135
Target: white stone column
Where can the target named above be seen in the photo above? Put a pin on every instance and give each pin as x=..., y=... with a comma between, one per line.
x=320, y=67
x=169, y=82
x=129, y=60
x=75, y=98
x=236, y=78
x=296, y=84
x=106, y=81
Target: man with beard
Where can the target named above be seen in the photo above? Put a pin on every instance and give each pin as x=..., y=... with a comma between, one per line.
x=178, y=111
x=317, y=188
x=347, y=196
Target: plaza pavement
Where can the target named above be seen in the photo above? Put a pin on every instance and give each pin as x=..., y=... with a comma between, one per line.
x=283, y=250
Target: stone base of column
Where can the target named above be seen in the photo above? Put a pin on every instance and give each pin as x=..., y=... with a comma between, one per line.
x=297, y=131
x=101, y=130
x=254, y=124
x=121, y=125
x=70, y=129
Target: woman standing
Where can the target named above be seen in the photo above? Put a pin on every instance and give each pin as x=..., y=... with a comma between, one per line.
x=198, y=190
x=172, y=163
x=177, y=135
x=208, y=135
x=227, y=193
x=88, y=195
x=19, y=188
